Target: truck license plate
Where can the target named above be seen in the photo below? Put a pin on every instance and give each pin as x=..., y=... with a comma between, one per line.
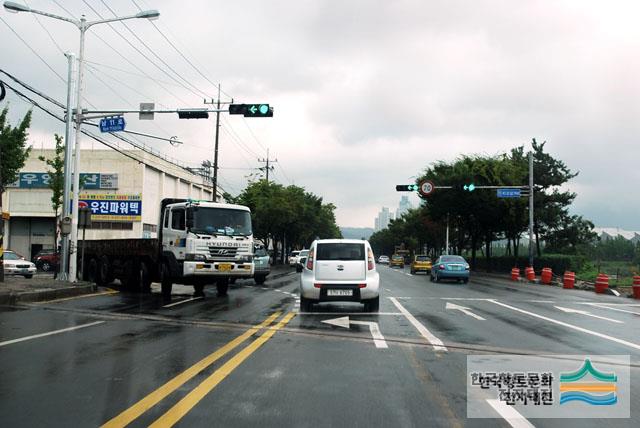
x=224, y=267
x=339, y=292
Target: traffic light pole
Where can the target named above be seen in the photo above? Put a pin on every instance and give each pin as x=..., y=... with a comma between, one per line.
x=215, y=152
x=531, y=209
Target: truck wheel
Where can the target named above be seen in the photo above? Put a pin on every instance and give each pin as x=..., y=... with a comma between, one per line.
x=198, y=290
x=144, y=279
x=223, y=287
x=165, y=281
x=260, y=279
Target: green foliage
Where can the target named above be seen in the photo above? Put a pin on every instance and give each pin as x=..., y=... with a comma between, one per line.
x=56, y=174
x=617, y=248
x=287, y=214
x=13, y=144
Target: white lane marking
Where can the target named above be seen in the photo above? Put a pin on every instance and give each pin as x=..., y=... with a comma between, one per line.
x=351, y=313
x=608, y=304
x=374, y=329
x=182, y=301
x=588, y=314
x=408, y=274
x=602, y=305
x=575, y=327
x=464, y=298
x=437, y=343
x=386, y=289
x=464, y=310
x=509, y=414
x=49, y=333
x=541, y=301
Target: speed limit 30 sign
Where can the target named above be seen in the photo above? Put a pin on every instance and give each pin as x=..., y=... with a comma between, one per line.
x=426, y=188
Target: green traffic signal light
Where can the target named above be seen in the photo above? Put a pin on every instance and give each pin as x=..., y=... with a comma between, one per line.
x=264, y=108
x=470, y=187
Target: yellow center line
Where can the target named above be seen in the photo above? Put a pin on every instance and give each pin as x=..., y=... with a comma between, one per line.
x=133, y=412
x=182, y=407
x=81, y=296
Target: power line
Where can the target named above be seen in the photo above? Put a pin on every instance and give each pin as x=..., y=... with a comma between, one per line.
x=34, y=52
x=252, y=134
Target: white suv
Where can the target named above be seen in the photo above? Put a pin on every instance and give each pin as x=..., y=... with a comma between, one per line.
x=340, y=270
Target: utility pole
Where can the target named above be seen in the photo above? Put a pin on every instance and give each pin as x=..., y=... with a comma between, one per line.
x=446, y=251
x=267, y=167
x=215, y=152
x=531, y=208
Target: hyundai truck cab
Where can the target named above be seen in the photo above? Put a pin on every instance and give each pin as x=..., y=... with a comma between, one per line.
x=340, y=270
x=207, y=240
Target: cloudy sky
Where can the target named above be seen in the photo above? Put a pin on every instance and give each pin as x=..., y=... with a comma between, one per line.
x=366, y=93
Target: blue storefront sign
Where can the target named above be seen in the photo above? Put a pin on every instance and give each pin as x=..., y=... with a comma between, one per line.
x=90, y=181
x=108, y=207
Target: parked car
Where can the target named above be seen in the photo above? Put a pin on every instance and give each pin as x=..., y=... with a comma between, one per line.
x=421, y=263
x=302, y=255
x=450, y=267
x=397, y=260
x=46, y=260
x=340, y=270
x=293, y=258
x=383, y=260
x=15, y=264
x=261, y=261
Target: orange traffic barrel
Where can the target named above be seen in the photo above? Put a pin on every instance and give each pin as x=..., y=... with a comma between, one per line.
x=515, y=274
x=530, y=274
x=636, y=287
x=569, y=280
x=602, y=283
x=546, y=275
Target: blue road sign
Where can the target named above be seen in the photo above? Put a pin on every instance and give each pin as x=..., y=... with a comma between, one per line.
x=508, y=193
x=112, y=124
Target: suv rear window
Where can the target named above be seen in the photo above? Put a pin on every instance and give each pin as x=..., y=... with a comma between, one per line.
x=422, y=258
x=339, y=251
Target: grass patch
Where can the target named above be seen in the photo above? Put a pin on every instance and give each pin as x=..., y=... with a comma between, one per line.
x=620, y=272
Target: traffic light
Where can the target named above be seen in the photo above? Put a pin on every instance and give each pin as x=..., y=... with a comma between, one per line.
x=193, y=113
x=469, y=187
x=406, y=187
x=251, y=110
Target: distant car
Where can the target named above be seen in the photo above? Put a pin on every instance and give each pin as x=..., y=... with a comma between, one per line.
x=340, y=270
x=383, y=260
x=301, y=255
x=261, y=260
x=15, y=264
x=421, y=263
x=301, y=263
x=397, y=260
x=450, y=267
x=293, y=258
x=46, y=260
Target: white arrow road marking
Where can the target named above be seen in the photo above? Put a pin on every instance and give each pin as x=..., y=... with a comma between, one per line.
x=464, y=310
x=183, y=301
x=509, y=414
x=602, y=305
x=564, y=324
x=437, y=343
x=378, y=338
x=578, y=311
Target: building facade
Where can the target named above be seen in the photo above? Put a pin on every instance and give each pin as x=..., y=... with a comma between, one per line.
x=383, y=219
x=123, y=193
x=404, y=206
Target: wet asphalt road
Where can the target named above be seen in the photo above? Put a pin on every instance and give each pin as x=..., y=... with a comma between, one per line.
x=139, y=360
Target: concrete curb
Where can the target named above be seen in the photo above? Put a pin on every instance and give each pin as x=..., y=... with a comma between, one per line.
x=11, y=298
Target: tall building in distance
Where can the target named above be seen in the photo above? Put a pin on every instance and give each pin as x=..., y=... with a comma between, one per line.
x=383, y=219
x=404, y=206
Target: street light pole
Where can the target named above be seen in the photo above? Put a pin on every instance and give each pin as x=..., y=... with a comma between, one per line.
x=68, y=153
x=531, y=209
x=83, y=25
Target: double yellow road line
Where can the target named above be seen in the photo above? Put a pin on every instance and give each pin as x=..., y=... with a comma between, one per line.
x=183, y=406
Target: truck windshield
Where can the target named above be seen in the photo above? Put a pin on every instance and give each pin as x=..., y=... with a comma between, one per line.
x=221, y=221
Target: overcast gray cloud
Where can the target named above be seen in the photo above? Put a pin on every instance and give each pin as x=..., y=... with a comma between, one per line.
x=368, y=93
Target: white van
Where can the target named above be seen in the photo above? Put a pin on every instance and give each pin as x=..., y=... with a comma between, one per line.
x=340, y=270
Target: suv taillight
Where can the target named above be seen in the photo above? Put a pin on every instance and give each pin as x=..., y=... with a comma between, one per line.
x=370, y=262
x=441, y=267
x=310, y=260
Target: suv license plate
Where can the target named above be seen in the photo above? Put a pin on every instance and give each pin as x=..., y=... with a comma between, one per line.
x=339, y=292
x=224, y=267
